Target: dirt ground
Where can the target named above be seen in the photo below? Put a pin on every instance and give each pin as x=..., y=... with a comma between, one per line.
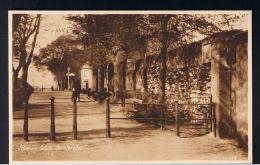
x=130, y=141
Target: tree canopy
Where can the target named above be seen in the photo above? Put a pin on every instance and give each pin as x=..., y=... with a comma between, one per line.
x=60, y=54
x=124, y=36
x=104, y=35
x=25, y=32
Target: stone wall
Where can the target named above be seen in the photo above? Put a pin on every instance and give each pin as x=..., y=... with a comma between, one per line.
x=229, y=85
x=215, y=66
x=188, y=74
x=130, y=68
x=153, y=78
x=240, y=94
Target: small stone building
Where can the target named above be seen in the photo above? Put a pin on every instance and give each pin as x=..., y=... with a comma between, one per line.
x=86, y=77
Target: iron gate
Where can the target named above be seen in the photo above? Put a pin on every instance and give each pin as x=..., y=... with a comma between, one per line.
x=196, y=113
x=193, y=114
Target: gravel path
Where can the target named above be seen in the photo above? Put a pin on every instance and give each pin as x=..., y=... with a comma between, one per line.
x=130, y=141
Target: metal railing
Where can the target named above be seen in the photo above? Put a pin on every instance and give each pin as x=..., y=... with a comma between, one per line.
x=182, y=117
x=185, y=114
x=161, y=119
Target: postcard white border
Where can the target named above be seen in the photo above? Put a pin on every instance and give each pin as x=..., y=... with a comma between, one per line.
x=249, y=12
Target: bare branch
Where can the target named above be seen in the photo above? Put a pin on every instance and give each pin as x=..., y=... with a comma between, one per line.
x=30, y=32
x=37, y=27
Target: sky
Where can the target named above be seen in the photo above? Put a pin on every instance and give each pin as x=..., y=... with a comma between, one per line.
x=53, y=26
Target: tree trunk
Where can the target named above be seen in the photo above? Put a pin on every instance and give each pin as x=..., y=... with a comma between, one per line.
x=117, y=77
x=63, y=85
x=144, y=76
x=122, y=81
x=25, y=61
x=111, y=77
x=122, y=75
x=26, y=100
x=101, y=77
x=163, y=56
x=96, y=79
x=15, y=79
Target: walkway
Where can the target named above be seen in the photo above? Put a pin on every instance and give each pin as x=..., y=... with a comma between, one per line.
x=131, y=141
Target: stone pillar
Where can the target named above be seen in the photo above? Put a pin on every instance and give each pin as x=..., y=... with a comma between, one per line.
x=130, y=69
x=221, y=90
x=119, y=78
x=119, y=62
x=240, y=94
x=214, y=72
x=95, y=80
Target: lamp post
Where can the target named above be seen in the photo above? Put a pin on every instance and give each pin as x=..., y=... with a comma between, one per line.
x=68, y=74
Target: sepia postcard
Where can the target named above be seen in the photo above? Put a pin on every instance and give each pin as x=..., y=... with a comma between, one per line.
x=130, y=86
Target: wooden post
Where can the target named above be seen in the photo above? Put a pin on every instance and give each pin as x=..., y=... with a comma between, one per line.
x=25, y=124
x=108, y=133
x=147, y=115
x=214, y=121
x=52, y=127
x=177, y=119
x=211, y=115
x=75, y=131
x=123, y=98
x=162, y=110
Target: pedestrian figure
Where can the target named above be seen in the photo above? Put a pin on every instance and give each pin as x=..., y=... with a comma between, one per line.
x=87, y=85
x=52, y=88
x=76, y=90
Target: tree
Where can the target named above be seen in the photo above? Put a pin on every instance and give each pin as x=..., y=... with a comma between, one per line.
x=101, y=33
x=60, y=54
x=25, y=31
x=108, y=38
x=16, y=21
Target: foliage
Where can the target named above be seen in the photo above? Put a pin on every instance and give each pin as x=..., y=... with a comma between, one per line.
x=25, y=32
x=25, y=26
x=60, y=54
x=105, y=35
x=183, y=28
x=172, y=31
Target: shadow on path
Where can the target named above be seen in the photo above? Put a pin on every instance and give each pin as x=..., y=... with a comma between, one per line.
x=132, y=132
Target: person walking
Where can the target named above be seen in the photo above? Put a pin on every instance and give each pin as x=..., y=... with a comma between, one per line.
x=76, y=90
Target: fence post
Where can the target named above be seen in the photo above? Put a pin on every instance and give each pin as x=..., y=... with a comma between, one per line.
x=75, y=131
x=123, y=98
x=177, y=119
x=26, y=125
x=52, y=129
x=214, y=121
x=162, y=110
x=211, y=115
x=108, y=133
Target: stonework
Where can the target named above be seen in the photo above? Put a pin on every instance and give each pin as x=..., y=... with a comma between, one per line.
x=153, y=78
x=240, y=92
